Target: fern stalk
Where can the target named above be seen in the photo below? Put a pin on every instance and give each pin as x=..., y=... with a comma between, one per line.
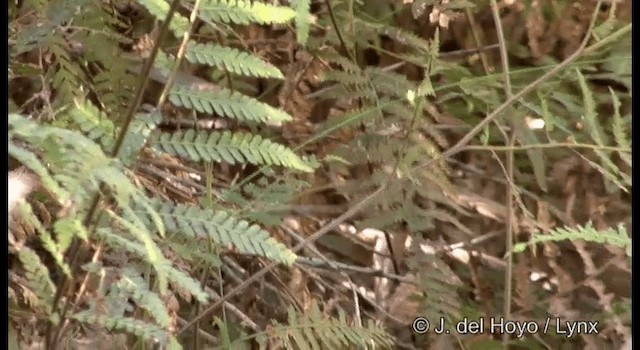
x=504, y=59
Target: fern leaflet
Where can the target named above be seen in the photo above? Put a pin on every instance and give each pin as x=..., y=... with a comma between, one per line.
x=231, y=59
x=227, y=103
x=244, y=12
x=229, y=147
x=224, y=229
x=614, y=236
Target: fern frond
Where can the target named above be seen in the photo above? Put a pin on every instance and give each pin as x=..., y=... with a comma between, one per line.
x=135, y=286
x=173, y=275
x=93, y=123
x=229, y=147
x=244, y=12
x=45, y=237
x=231, y=59
x=152, y=253
x=67, y=75
x=437, y=282
x=313, y=330
x=145, y=330
x=41, y=32
x=68, y=228
x=79, y=164
x=138, y=133
x=223, y=229
x=613, y=236
x=37, y=275
x=302, y=19
x=611, y=170
x=401, y=36
x=227, y=103
x=159, y=9
x=620, y=131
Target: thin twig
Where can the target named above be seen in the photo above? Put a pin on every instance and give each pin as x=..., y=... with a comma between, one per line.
x=504, y=59
x=179, y=56
x=543, y=146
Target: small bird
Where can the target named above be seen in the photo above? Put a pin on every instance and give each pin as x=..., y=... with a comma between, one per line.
x=21, y=183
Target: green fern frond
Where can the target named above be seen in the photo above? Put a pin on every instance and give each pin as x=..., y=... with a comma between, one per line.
x=609, y=169
x=244, y=12
x=229, y=147
x=620, y=130
x=41, y=32
x=302, y=19
x=47, y=240
x=313, y=330
x=67, y=229
x=139, y=131
x=32, y=37
x=136, y=288
x=159, y=9
x=37, y=276
x=223, y=229
x=401, y=36
x=173, y=275
x=227, y=103
x=152, y=253
x=93, y=123
x=231, y=59
x=79, y=164
x=263, y=196
x=437, y=283
x=145, y=330
x=67, y=75
x=613, y=236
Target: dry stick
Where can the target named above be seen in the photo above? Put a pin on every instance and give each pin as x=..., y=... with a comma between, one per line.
x=451, y=151
x=180, y=55
x=510, y=193
x=504, y=59
x=544, y=146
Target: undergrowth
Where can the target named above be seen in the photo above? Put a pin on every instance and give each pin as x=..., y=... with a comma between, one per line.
x=102, y=249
